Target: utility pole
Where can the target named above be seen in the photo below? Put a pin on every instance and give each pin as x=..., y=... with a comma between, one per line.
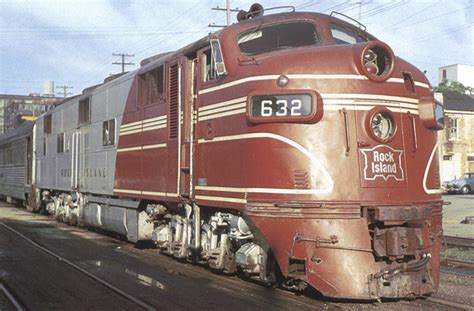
x=65, y=88
x=228, y=12
x=123, y=63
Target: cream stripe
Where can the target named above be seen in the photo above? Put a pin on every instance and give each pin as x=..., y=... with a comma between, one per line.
x=255, y=190
x=396, y=80
x=146, y=129
x=132, y=124
x=237, y=82
x=339, y=107
x=226, y=108
x=370, y=96
x=130, y=132
x=370, y=103
x=322, y=76
x=421, y=84
x=221, y=199
x=123, y=129
x=155, y=119
x=129, y=149
x=302, y=76
x=367, y=108
x=223, y=114
x=221, y=104
x=163, y=194
x=128, y=191
x=400, y=80
x=145, y=147
x=425, y=176
x=139, y=123
x=401, y=110
x=327, y=181
x=154, y=124
x=154, y=146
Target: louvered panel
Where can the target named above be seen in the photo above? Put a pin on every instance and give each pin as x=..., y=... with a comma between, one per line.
x=301, y=179
x=173, y=101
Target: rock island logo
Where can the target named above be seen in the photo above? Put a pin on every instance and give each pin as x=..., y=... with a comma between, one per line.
x=384, y=162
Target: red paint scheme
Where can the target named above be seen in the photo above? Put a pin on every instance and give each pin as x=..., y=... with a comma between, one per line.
x=339, y=269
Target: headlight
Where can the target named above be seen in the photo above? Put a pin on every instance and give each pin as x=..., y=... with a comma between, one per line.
x=382, y=125
x=375, y=60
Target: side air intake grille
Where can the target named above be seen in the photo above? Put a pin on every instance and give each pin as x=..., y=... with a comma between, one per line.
x=173, y=101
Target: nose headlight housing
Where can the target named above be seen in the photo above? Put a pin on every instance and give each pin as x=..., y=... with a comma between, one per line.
x=375, y=60
x=382, y=126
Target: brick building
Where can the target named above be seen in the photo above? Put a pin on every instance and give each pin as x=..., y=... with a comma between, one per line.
x=15, y=109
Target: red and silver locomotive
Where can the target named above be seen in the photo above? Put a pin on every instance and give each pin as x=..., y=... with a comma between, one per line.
x=295, y=148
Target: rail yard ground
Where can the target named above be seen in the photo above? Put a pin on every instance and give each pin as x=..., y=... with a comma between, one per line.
x=461, y=206
x=45, y=265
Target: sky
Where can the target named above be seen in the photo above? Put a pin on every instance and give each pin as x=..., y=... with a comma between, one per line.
x=71, y=42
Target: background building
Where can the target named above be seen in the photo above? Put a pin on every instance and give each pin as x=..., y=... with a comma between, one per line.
x=457, y=139
x=461, y=73
x=15, y=109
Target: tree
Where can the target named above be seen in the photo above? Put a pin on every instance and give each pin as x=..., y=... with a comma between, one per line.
x=453, y=86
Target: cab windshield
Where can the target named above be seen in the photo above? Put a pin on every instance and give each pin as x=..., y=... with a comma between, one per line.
x=344, y=35
x=276, y=37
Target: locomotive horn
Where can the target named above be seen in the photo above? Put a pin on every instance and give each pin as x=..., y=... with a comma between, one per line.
x=256, y=10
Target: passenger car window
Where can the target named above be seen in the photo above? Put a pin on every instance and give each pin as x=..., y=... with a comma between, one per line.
x=343, y=35
x=276, y=37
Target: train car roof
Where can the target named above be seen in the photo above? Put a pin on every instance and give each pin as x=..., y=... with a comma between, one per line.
x=19, y=132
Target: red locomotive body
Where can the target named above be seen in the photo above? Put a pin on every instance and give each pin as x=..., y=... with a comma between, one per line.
x=327, y=150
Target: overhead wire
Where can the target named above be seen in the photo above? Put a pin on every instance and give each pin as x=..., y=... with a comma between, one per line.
x=433, y=17
x=438, y=34
x=130, y=47
x=417, y=13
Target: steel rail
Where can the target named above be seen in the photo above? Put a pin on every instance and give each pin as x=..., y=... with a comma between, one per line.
x=458, y=241
x=87, y=273
x=458, y=263
x=11, y=298
x=449, y=303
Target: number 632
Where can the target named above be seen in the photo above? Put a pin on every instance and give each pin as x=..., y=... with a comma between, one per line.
x=293, y=108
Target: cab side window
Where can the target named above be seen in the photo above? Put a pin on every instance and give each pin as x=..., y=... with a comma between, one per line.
x=208, y=67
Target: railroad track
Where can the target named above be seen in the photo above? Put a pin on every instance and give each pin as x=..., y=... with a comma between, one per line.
x=67, y=262
x=447, y=303
x=454, y=241
x=458, y=263
x=5, y=294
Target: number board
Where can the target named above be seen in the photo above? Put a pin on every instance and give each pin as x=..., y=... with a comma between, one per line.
x=281, y=105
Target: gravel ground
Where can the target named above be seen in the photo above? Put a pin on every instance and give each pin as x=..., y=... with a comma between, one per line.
x=457, y=288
